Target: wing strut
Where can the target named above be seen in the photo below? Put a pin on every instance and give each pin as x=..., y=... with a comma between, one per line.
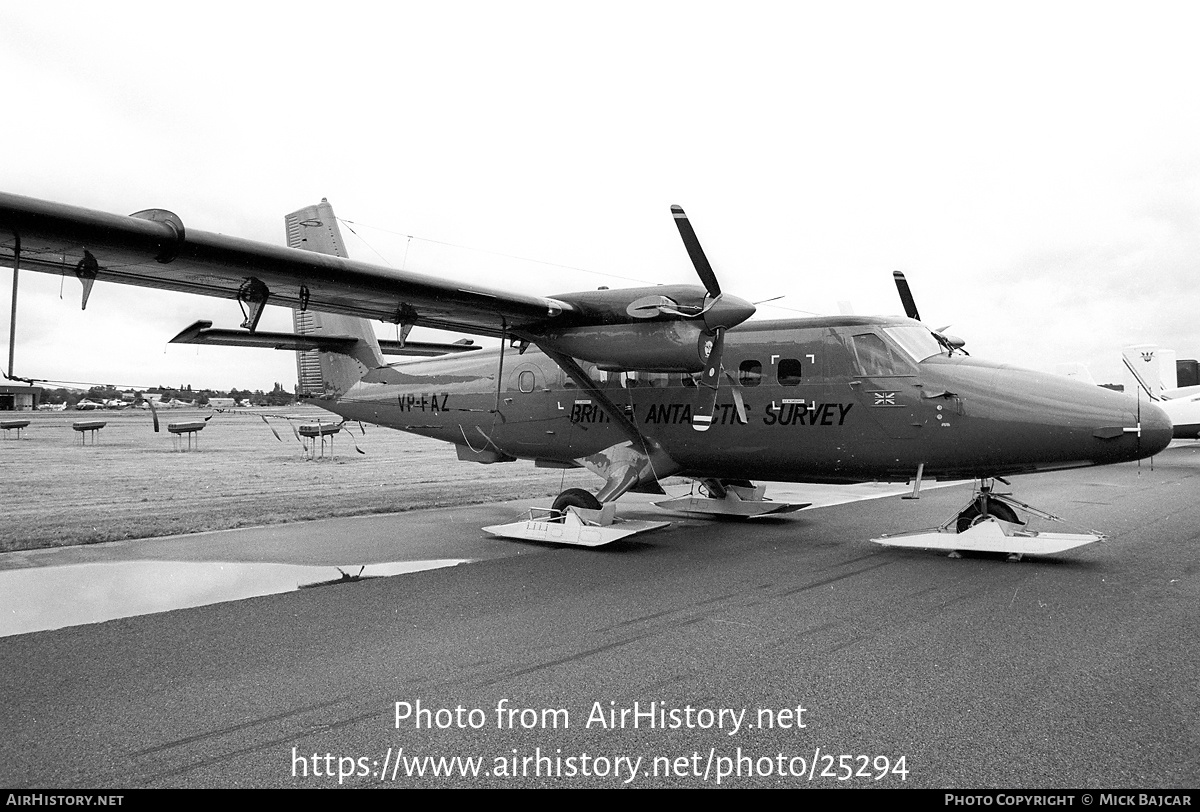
x=500, y=366
x=577, y=374
x=12, y=322
x=625, y=465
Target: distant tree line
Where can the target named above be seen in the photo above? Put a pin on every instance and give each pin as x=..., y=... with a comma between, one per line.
x=278, y=396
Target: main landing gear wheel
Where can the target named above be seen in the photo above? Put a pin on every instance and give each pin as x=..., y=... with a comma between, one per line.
x=576, y=497
x=973, y=515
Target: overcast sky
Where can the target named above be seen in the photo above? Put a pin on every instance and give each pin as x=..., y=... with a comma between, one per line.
x=1034, y=168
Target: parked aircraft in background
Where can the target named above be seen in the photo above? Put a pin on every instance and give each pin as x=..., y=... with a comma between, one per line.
x=635, y=385
x=1154, y=372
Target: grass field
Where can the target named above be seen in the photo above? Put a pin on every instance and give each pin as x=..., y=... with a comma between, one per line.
x=133, y=483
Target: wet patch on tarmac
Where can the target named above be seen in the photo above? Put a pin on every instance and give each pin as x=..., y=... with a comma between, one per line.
x=41, y=598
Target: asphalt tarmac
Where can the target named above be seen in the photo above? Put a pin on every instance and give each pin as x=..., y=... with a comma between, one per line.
x=782, y=652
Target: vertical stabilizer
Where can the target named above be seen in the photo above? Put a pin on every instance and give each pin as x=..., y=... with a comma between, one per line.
x=325, y=374
x=1152, y=368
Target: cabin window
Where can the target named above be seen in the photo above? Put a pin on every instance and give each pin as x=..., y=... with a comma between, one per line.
x=687, y=380
x=657, y=380
x=629, y=380
x=789, y=371
x=750, y=373
x=526, y=381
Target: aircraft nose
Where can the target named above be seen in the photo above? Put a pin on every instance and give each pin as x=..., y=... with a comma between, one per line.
x=1062, y=421
x=1128, y=430
x=1156, y=429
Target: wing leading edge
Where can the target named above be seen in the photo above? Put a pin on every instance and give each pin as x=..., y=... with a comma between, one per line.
x=153, y=249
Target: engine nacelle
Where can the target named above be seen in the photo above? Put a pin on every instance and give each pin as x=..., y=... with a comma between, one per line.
x=665, y=328
x=659, y=346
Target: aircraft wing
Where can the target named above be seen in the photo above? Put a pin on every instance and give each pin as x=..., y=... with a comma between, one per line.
x=154, y=249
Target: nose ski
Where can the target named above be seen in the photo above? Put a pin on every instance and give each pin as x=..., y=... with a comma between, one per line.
x=989, y=524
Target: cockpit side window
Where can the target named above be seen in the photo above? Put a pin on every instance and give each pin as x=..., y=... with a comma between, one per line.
x=873, y=357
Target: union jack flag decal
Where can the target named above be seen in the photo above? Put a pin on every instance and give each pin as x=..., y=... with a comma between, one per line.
x=884, y=399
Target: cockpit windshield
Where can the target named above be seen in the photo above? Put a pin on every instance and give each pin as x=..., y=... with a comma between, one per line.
x=915, y=340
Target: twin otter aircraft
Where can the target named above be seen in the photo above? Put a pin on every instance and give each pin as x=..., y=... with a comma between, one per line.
x=635, y=385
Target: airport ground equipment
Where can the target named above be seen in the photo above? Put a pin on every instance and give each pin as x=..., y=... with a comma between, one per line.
x=86, y=427
x=13, y=425
x=190, y=429
x=321, y=432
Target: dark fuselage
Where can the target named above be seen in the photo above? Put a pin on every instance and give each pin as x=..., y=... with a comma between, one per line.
x=826, y=399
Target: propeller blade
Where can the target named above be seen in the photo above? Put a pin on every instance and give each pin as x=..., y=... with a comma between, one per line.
x=154, y=414
x=738, y=402
x=703, y=269
x=951, y=343
x=710, y=381
x=910, y=304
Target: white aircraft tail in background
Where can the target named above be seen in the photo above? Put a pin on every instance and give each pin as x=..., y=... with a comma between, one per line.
x=1155, y=372
x=1152, y=368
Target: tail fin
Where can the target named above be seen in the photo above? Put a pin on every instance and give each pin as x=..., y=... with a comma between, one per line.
x=1152, y=368
x=327, y=374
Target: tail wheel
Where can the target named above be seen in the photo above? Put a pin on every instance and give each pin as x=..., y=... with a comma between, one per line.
x=575, y=497
x=973, y=515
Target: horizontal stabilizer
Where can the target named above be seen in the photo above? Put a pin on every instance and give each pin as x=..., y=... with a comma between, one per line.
x=202, y=332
